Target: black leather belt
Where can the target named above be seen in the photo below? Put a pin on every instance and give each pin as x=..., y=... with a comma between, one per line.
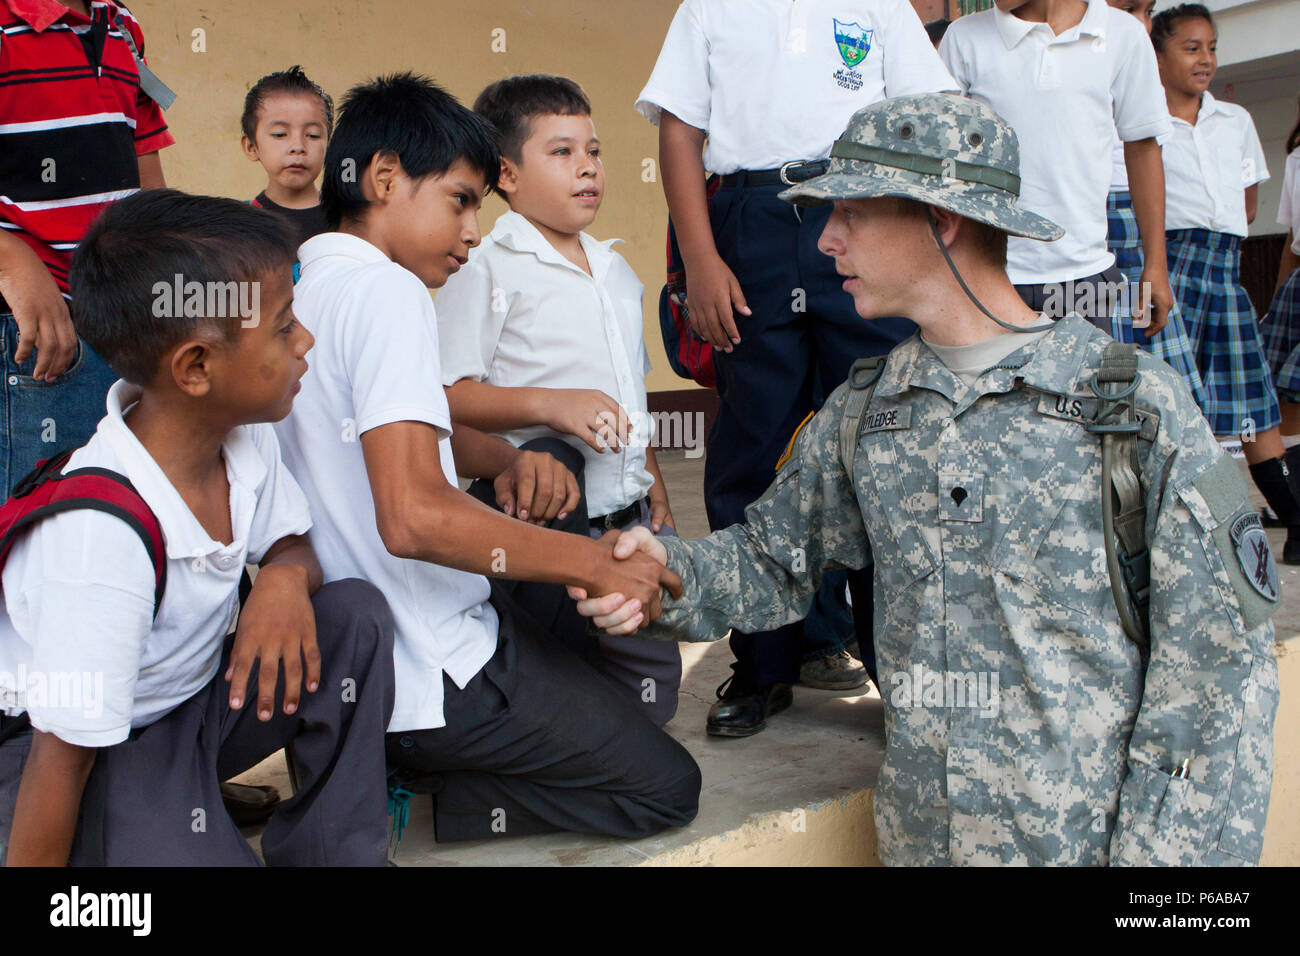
x=617, y=519
x=786, y=175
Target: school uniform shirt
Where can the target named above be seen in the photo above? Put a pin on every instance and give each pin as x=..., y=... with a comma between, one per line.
x=376, y=362
x=1209, y=166
x=73, y=122
x=1288, y=206
x=1066, y=96
x=821, y=62
x=520, y=315
x=80, y=647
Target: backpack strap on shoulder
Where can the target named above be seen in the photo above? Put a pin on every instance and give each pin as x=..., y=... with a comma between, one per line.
x=1123, y=509
x=47, y=492
x=862, y=378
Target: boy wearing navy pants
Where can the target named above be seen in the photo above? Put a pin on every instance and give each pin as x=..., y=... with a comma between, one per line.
x=783, y=331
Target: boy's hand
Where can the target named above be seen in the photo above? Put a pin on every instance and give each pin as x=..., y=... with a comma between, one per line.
x=617, y=613
x=40, y=312
x=713, y=296
x=277, y=625
x=589, y=414
x=1154, y=301
x=660, y=514
x=538, y=486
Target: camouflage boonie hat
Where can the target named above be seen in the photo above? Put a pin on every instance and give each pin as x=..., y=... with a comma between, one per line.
x=937, y=148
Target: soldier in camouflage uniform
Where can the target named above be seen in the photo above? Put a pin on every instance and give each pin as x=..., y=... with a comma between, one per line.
x=1023, y=726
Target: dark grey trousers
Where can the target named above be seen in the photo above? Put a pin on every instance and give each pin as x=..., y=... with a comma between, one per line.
x=539, y=741
x=649, y=672
x=155, y=798
x=1094, y=297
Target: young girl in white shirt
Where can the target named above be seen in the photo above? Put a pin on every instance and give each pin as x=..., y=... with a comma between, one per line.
x=1213, y=166
x=1125, y=242
x=1281, y=326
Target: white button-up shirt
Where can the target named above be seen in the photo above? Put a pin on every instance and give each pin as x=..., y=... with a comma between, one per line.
x=1288, y=206
x=80, y=647
x=772, y=81
x=1209, y=166
x=1066, y=96
x=519, y=315
x=375, y=363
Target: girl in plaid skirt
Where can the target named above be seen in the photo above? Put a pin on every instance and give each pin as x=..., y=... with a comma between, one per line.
x=1213, y=166
x=1125, y=243
x=1282, y=323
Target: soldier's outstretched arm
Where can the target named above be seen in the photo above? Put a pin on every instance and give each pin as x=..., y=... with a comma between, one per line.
x=761, y=574
x=1200, y=756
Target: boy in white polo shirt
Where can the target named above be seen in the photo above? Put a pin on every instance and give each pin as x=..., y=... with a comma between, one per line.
x=782, y=328
x=128, y=771
x=1067, y=75
x=542, y=342
x=512, y=731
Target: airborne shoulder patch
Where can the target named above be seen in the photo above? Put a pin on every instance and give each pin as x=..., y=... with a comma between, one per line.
x=1253, y=554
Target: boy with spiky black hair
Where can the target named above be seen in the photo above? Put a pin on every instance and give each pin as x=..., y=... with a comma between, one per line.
x=514, y=732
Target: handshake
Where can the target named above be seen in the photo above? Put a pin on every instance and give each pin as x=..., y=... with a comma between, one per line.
x=630, y=583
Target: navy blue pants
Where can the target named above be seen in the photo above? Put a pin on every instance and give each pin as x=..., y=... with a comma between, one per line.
x=795, y=349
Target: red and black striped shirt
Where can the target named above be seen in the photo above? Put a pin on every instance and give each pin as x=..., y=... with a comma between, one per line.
x=73, y=121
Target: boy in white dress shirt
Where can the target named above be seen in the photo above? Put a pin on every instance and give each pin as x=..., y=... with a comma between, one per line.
x=541, y=342
x=511, y=731
x=130, y=774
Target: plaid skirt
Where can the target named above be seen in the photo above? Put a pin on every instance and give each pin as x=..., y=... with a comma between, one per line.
x=1204, y=269
x=1281, y=328
x=1170, y=343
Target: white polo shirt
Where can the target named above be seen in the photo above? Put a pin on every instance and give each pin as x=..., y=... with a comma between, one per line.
x=772, y=81
x=1209, y=166
x=520, y=315
x=80, y=648
x=376, y=362
x=1288, y=205
x=1066, y=96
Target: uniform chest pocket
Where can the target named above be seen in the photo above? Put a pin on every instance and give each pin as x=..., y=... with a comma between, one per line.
x=1052, y=540
x=902, y=555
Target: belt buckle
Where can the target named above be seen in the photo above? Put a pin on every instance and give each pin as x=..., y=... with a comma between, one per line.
x=785, y=166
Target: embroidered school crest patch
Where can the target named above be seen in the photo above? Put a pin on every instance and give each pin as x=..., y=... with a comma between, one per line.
x=1253, y=553
x=853, y=41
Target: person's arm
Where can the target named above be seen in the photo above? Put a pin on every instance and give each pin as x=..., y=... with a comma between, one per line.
x=763, y=573
x=1146, y=177
x=423, y=517
x=534, y=482
x=660, y=512
x=39, y=309
x=49, y=802
x=1289, y=262
x=1252, y=203
x=713, y=293
x=1210, y=685
x=278, y=626
x=151, y=171
x=586, y=413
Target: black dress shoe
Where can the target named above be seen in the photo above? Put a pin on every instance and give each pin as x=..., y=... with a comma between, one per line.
x=742, y=712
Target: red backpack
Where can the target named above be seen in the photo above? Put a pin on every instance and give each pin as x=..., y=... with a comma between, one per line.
x=47, y=491
x=688, y=354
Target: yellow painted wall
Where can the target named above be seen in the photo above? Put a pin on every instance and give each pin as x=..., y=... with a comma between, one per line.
x=609, y=48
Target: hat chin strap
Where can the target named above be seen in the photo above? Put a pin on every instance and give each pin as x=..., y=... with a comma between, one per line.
x=1041, y=327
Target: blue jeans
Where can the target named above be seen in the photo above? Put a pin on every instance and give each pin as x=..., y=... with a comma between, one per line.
x=44, y=417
